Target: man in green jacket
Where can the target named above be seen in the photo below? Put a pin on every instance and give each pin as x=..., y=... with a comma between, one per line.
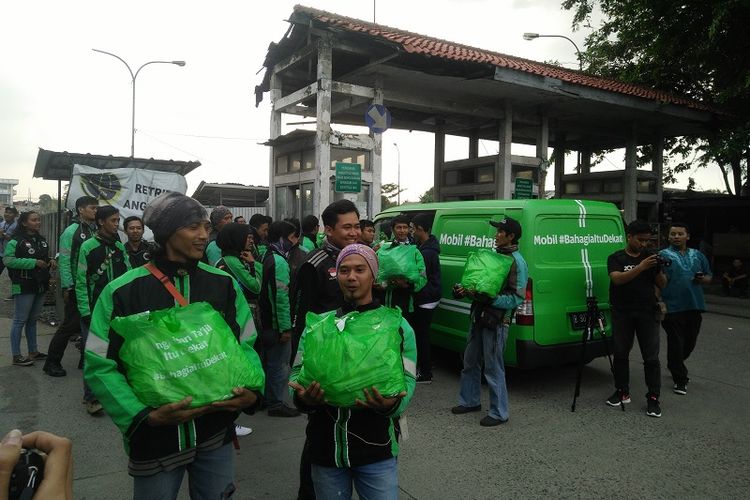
x=166, y=442
x=81, y=229
x=101, y=259
x=276, y=318
x=356, y=445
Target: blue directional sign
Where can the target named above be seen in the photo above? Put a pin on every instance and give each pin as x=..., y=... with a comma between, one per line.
x=378, y=118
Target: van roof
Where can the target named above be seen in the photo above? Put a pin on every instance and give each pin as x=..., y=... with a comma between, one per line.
x=504, y=204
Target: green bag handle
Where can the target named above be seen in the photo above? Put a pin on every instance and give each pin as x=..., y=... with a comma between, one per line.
x=167, y=284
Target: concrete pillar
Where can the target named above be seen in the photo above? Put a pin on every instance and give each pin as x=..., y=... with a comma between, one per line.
x=376, y=160
x=586, y=160
x=322, y=197
x=657, y=166
x=542, y=145
x=474, y=144
x=559, y=163
x=275, y=132
x=630, y=181
x=503, y=167
x=439, y=158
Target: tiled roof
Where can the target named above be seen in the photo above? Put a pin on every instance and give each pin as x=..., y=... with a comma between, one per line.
x=414, y=43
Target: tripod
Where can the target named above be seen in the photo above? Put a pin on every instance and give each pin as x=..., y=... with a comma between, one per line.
x=593, y=325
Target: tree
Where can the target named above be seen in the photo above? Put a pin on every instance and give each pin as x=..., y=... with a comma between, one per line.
x=387, y=193
x=697, y=48
x=47, y=204
x=428, y=196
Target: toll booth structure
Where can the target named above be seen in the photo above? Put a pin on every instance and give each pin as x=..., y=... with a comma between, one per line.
x=334, y=68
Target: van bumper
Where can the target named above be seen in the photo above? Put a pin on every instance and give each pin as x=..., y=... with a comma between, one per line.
x=529, y=354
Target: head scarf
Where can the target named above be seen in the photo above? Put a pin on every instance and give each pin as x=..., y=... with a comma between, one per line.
x=363, y=250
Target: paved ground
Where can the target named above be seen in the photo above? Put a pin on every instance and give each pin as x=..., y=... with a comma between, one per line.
x=698, y=449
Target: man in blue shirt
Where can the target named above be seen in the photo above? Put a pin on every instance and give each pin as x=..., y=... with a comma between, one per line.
x=7, y=227
x=683, y=296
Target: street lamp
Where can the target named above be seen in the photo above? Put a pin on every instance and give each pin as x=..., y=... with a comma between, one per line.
x=133, y=76
x=399, y=173
x=532, y=36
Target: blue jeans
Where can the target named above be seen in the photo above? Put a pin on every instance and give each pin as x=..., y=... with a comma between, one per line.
x=210, y=477
x=277, y=373
x=490, y=344
x=26, y=310
x=377, y=481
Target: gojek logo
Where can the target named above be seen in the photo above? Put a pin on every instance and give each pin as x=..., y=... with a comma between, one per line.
x=101, y=186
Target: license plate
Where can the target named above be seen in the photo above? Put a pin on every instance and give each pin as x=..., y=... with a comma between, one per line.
x=578, y=320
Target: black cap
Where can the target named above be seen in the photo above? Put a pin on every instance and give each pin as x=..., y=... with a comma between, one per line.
x=509, y=225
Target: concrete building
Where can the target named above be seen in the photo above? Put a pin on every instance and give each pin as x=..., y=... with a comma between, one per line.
x=334, y=69
x=7, y=190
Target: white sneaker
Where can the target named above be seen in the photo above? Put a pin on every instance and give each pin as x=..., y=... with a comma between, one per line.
x=242, y=431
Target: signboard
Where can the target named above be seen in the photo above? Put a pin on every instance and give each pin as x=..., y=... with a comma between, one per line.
x=378, y=118
x=348, y=177
x=524, y=189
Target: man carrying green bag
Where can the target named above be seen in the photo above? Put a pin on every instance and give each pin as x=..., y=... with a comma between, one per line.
x=402, y=271
x=163, y=442
x=376, y=346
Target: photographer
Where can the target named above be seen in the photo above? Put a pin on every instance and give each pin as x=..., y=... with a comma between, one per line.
x=634, y=272
x=57, y=479
x=683, y=296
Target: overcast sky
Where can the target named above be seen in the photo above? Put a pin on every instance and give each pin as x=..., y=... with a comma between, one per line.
x=55, y=93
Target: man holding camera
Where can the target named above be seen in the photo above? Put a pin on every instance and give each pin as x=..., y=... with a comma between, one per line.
x=683, y=296
x=634, y=273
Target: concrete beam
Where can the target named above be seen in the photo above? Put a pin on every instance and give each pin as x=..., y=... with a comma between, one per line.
x=559, y=163
x=376, y=159
x=290, y=61
x=295, y=97
x=439, y=156
x=322, y=196
x=274, y=132
x=542, y=146
x=351, y=89
x=504, y=166
x=630, y=181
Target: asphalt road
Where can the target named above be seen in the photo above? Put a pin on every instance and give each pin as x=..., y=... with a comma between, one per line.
x=698, y=449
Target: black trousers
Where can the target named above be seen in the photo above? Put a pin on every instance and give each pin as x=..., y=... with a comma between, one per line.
x=70, y=327
x=306, y=487
x=420, y=320
x=682, y=334
x=626, y=325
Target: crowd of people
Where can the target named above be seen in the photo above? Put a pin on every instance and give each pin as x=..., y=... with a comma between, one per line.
x=268, y=279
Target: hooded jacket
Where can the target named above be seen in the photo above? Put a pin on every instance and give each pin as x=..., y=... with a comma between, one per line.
x=21, y=254
x=431, y=292
x=70, y=243
x=160, y=448
x=101, y=259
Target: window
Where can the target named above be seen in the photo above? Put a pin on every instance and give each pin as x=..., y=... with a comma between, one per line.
x=350, y=156
x=308, y=159
x=282, y=164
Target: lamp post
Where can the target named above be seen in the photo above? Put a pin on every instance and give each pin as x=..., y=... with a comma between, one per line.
x=399, y=173
x=133, y=76
x=532, y=36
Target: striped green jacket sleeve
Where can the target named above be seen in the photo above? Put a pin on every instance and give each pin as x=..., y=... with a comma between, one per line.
x=280, y=302
x=64, y=263
x=81, y=281
x=422, y=270
x=10, y=260
x=248, y=281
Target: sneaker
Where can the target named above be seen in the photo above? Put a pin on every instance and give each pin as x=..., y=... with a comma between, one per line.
x=37, y=355
x=653, y=409
x=8, y=298
x=618, y=397
x=22, y=361
x=460, y=410
x=488, y=421
x=94, y=408
x=680, y=389
x=424, y=379
x=54, y=369
x=242, y=431
x=283, y=411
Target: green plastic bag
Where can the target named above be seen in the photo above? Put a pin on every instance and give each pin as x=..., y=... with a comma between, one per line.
x=401, y=261
x=486, y=271
x=185, y=351
x=356, y=351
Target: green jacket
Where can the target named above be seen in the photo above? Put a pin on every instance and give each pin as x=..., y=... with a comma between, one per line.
x=21, y=254
x=70, y=243
x=152, y=449
x=245, y=275
x=99, y=262
x=350, y=437
x=213, y=253
x=308, y=244
x=275, y=312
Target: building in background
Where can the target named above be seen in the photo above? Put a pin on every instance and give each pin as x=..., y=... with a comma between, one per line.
x=7, y=190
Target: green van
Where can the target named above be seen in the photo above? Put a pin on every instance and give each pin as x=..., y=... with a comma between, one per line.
x=565, y=243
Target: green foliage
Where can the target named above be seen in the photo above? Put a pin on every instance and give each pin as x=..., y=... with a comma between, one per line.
x=696, y=48
x=428, y=196
x=388, y=192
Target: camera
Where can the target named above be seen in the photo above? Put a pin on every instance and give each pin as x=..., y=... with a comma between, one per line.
x=27, y=475
x=662, y=262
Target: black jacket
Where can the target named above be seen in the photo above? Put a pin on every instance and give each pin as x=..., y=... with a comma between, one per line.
x=431, y=292
x=21, y=254
x=316, y=287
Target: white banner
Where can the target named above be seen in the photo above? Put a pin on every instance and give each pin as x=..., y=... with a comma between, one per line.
x=128, y=189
